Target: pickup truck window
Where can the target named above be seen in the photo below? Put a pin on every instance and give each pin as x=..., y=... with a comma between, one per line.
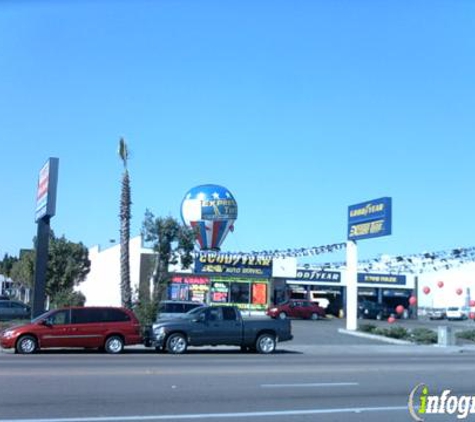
x=214, y=314
x=229, y=314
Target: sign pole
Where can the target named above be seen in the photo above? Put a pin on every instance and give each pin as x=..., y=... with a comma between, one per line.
x=39, y=289
x=45, y=209
x=351, y=285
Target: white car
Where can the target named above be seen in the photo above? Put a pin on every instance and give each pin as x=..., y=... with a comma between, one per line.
x=457, y=312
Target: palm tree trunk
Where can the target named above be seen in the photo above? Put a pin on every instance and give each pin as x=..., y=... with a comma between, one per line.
x=125, y=216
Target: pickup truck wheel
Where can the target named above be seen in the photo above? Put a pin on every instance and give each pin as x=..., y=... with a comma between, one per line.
x=177, y=344
x=282, y=315
x=314, y=316
x=265, y=343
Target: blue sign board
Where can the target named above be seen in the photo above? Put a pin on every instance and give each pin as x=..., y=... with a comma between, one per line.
x=396, y=279
x=370, y=219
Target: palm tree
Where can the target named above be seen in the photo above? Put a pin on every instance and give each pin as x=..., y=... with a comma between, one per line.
x=125, y=216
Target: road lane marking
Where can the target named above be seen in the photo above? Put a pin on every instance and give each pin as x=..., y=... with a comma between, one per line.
x=314, y=384
x=217, y=415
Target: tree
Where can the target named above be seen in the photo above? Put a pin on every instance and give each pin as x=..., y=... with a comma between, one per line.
x=172, y=242
x=6, y=264
x=68, y=266
x=125, y=216
x=23, y=270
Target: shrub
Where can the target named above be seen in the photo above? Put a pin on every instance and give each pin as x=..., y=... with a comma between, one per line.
x=466, y=335
x=423, y=336
x=397, y=332
x=367, y=328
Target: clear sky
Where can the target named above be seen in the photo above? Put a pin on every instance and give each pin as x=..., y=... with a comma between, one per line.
x=299, y=108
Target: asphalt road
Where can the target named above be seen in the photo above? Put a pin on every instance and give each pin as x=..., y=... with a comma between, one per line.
x=321, y=381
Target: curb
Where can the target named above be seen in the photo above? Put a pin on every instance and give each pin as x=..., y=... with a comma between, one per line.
x=375, y=337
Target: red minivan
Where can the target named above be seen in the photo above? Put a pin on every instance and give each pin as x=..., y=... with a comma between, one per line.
x=106, y=328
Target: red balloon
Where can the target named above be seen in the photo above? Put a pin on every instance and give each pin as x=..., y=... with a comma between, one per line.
x=471, y=315
x=426, y=290
x=391, y=319
x=472, y=303
x=459, y=291
x=440, y=284
x=399, y=309
x=413, y=300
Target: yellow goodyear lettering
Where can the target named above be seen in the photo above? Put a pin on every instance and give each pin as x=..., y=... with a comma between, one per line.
x=360, y=229
x=376, y=226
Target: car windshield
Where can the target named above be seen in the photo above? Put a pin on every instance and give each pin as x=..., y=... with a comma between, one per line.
x=194, y=311
x=42, y=316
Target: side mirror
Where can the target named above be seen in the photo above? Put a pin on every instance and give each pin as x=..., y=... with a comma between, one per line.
x=46, y=323
x=200, y=318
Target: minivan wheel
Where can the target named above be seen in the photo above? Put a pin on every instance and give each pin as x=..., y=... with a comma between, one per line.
x=282, y=315
x=265, y=343
x=26, y=345
x=314, y=316
x=114, y=344
x=177, y=344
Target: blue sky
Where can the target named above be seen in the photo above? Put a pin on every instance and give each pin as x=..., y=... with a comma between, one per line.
x=299, y=108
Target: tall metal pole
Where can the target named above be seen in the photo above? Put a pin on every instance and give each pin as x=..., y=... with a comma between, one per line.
x=351, y=286
x=39, y=289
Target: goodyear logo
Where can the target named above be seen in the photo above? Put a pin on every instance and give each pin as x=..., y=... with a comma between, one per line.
x=367, y=210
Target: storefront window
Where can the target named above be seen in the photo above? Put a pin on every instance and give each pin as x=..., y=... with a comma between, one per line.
x=219, y=292
x=259, y=294
x=239, y=293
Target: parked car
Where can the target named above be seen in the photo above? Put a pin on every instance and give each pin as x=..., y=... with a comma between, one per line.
x=297, y=308
x=436, y=313
x=457, y=313
x=219, y=325
x=373, y=310
x=89, y=327
x=175, y=308
x=13, y=309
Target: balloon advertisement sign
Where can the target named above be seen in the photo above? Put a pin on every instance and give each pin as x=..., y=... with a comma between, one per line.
x=211, y=211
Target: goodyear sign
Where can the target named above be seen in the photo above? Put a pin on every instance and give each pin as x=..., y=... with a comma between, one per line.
x=370, y=219
x=233, y=265
x=318, y=275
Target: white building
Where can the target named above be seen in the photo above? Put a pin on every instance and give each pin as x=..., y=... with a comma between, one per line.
x=451, y=287
x=102, y=284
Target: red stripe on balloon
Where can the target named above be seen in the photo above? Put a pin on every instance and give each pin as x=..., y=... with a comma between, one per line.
x=194, y=224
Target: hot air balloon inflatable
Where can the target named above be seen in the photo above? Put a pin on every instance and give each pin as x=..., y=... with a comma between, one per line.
x=211, y=211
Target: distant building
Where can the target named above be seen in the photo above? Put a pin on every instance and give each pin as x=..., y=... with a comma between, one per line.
x=451, y=287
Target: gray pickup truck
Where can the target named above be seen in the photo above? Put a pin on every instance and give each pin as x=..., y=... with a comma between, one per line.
x=219, y=325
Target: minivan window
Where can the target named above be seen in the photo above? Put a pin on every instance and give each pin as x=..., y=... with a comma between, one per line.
x=116, y=315
x=85, y=316
x=60, y=317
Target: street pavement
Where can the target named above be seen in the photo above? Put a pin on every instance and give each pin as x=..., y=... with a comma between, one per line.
x=322, y=374
x=225, y=385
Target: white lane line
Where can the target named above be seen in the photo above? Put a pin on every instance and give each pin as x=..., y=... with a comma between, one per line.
x=217, y=415
x=314, y=384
